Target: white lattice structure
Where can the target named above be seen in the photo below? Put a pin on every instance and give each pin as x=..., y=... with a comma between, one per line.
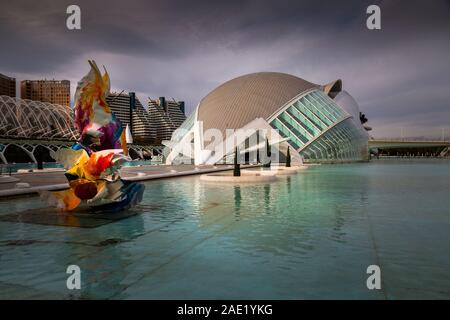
x=27, y=127
x=21, y=118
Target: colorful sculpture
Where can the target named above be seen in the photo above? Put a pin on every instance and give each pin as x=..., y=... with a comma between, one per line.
x=93, y=163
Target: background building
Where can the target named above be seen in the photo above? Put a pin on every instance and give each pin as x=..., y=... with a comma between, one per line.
x=7, y=86
x=140, y=127
x=52, y=91
x=166, y=116
x=318, y=123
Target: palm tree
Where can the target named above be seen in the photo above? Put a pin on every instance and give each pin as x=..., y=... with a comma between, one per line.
x=269, y=154
x=288, y=158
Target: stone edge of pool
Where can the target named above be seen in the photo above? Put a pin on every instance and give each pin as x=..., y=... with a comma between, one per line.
x=17, y=192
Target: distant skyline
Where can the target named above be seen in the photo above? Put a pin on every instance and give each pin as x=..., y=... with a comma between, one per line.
x=399, y=75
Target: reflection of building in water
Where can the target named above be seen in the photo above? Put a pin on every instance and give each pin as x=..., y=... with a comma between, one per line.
x=292, y=214
x=267, y=198
x=237, y=201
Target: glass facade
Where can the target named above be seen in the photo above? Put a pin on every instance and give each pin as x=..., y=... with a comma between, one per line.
x=320, y=130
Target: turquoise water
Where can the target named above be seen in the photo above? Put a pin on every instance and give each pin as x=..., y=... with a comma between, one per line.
x=13, y=167
x=310, y=235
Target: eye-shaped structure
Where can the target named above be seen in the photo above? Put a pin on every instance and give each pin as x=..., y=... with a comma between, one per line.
x=319, y=123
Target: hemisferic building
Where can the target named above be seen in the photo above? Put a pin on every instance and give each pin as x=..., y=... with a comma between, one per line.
x=318, y=123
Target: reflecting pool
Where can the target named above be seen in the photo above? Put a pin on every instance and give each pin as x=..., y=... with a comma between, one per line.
x=309, y=235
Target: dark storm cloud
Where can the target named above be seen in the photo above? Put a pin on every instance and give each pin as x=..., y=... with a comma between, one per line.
x=183, y=49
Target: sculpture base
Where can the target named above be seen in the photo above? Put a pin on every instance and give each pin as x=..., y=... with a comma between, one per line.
x=54, y=217
x=247, y=176
x=276, y=170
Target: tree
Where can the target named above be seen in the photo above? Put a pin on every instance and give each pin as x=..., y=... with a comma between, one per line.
x=258, y=160
x=288, y=157
x=237, y=166
x=268, y=153
x=39, y=160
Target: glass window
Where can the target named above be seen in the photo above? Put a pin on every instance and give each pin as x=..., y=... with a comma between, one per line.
x=331, y=112
x=289, y=123
x=302, y=122
x=284, y=132
x=318, y=127
x=316, y=111
x=319, y=120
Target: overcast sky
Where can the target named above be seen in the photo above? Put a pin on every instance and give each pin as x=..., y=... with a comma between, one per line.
x=400, y=75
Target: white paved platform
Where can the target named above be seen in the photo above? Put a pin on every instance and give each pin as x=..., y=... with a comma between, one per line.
x=55, y=180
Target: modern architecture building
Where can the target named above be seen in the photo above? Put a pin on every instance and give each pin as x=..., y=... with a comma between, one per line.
x=140, y=127
x=31, y=129
x=51, y=91
x=24, y=121
x=318, y=123
x=29, y=119
x=7, y=86
x=166, y=116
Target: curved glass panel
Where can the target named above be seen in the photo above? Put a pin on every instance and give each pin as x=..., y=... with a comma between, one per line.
x=350, y=144
x=320, y=130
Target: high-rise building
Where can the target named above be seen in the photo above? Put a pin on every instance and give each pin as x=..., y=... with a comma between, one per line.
x=166, y=116
x=7, y=86
x=140, y=127
x=52, y=91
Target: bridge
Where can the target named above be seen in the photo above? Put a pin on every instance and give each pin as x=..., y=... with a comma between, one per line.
x=386, y=144
x=404, y=143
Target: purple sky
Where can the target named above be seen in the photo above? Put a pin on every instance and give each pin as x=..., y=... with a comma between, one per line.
x=399, y=75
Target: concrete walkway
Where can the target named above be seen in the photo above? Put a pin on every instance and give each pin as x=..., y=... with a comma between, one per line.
x=55, y=180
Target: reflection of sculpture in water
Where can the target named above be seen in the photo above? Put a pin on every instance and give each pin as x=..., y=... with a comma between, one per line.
x=93, y=163
x=103, y=259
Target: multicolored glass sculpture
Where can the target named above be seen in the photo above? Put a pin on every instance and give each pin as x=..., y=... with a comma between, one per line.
x=93, y=163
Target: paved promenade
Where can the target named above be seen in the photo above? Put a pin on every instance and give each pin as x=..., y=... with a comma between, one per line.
x=54, y=180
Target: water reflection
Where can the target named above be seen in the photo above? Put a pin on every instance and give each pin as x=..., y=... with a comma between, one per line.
x=105, y=268
x=267, y=205
x=300, y=232
x=237, y=201
x=288, y=183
